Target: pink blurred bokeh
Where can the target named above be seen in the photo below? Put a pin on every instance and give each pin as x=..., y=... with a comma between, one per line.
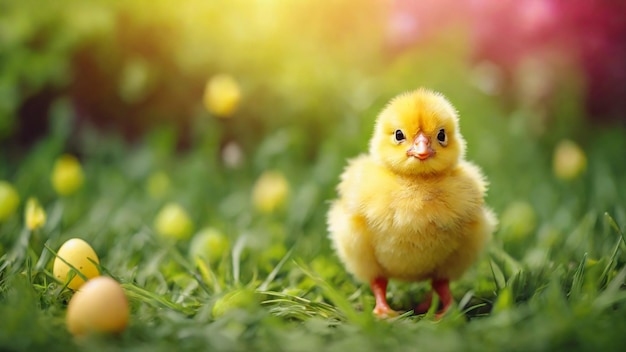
x=509, y=33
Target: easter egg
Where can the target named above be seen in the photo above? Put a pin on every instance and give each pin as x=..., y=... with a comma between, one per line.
x=173, y=222
x=77, y=253
x=9, y=200
x=519, y=220
x=569, y=160
x=222, y=95
x=209, y=244
x=270, y=191
x=244, y=299
x=158, y=185
x=67, y=175
x=98, y=306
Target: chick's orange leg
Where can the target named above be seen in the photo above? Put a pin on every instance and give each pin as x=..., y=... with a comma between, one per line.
x=442, y=287
x=379, y=288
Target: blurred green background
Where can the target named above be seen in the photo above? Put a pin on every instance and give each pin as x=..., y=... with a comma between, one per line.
x=131, y=88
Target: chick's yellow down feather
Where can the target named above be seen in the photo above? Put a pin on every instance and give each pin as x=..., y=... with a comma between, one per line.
x=412, y=208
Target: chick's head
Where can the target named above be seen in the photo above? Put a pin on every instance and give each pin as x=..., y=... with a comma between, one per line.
x=418, y=134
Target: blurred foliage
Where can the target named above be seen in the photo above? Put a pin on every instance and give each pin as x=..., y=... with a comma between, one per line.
x=127, y=68
x=119, y=67
x=120, y=85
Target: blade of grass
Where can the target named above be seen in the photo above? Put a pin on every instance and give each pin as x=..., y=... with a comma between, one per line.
x=613, y=259
x=18, y=251
x=237, y=250
x=184, y=262
x=613, y=224
x=466, y=299
x=207, y=275
x=274, y=272
x=577, y=281
x=613, y=292
x=498, y=276
x=154, y=299
x=338, y=299
x=510, y=264
x=44, y=258
x=316, y=308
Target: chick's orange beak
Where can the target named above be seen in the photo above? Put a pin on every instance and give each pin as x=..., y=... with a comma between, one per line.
x=421, y=148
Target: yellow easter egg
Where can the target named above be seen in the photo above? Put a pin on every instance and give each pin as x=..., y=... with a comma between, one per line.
x=67, y=175
x=173, y=222
x=9, y=200
x=209, y=244
x=77, y=253
x=270, y=191
x=98, y=306
x=158, y=185
x=519, y=220
x=569, y=160
x=222, y=95
x=245, y=299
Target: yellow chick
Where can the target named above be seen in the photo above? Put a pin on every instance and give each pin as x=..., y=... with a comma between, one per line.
x=412, y=208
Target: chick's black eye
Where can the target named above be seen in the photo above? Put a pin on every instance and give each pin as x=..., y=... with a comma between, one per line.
x=399, y=136
x=441, y=136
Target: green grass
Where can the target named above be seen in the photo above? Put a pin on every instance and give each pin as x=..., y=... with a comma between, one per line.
x=552, y=279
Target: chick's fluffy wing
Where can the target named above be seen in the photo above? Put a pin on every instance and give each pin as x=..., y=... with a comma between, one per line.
x=366, y=186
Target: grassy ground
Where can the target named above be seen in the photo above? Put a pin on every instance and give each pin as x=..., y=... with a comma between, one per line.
x=551, y=280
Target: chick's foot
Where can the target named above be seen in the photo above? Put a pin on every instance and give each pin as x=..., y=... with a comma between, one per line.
x=442, y=287
x=379, y=288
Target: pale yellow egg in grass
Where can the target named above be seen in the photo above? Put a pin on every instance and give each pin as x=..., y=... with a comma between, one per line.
x=569, y=160
x=158, y=184
x=518, y=220
x=209, y=244
x=78, y=253
x=222, y=95
x=35, y=215
x=245, y=299
x=67, y=175
x=173, y=222
x=270, y=191
x=99, y=306
x=9, y=200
